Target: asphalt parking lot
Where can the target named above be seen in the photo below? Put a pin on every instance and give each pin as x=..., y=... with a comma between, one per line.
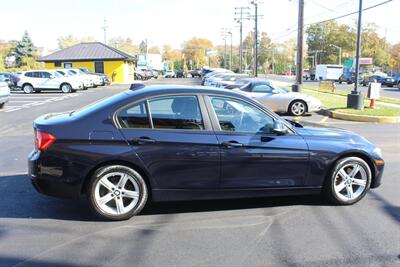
x=36, y=230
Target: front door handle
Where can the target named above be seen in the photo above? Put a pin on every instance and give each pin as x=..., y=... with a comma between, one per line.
x=143, y=140
x=230, y=144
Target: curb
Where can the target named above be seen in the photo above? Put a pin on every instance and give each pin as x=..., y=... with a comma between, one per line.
x=362, y=118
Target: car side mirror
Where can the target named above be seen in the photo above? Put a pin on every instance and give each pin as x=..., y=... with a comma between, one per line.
x=279, y=128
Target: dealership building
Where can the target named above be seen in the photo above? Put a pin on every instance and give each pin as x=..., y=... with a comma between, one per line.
x=95, y=56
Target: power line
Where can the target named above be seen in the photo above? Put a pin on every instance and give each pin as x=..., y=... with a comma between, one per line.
x=290, y=31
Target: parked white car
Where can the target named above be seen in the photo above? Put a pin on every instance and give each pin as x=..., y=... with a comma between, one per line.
x=4, y=92
x=230, y=79
x=169, y=74
x=97, y=80
x=278, y=99
x=87, y=82
x=37, y=80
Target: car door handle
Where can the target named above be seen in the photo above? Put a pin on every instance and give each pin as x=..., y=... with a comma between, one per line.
x=143, y=140
x=230, y=144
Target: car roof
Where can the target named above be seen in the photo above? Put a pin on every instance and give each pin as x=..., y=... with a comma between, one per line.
x=175, y=89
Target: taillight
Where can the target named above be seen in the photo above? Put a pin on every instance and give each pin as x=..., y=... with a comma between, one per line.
x=43, y=140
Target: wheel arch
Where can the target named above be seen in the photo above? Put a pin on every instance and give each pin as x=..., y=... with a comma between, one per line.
x=27, y=83
x=358, y=154
x=65, y=83
x=125, y=163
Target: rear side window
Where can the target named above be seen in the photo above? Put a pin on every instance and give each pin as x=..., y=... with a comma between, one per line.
x=29, y=74
x=134, y=117
x=176, y=112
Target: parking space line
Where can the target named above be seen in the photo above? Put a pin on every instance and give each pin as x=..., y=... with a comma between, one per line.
x=324, y=119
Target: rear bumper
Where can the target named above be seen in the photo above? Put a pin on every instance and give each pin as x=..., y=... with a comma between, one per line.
x=51, y=181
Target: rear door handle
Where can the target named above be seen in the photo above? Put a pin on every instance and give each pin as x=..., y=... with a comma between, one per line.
x=230, y=144
x=143, y=140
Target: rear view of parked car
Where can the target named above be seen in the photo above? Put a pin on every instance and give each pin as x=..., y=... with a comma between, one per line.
x=37, y=80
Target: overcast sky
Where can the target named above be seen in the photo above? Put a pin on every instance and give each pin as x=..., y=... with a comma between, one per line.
x=173, y=21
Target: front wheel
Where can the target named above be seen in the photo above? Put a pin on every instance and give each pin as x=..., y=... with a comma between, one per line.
x=298, y=108
x=348, y=182
x=117, y=192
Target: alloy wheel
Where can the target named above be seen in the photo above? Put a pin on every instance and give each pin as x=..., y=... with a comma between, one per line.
x=117, y=193
x=28, y=89
x=350, y=181
x=298, y=108
x=66, y=88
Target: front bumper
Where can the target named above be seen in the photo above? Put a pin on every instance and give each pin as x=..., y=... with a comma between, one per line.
x=313, y=106
x=78, y=86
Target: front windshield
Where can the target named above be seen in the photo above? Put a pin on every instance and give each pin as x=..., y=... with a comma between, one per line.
x=58, y=75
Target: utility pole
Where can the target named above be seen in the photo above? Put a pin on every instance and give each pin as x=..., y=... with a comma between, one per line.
x=105, y=30
x=224, y=32
x=355, y=99
x=240, y=21
x=299, y=61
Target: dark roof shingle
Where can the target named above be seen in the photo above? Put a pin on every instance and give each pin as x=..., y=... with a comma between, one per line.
x=87, y=51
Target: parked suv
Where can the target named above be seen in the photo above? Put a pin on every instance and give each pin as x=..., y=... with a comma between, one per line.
x=37, y=80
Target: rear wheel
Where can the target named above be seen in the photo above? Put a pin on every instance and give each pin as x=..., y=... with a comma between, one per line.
x=348, y=182
x=298, y=108
x=28, y=89
x=2, y=105
x=66, y=88
x=117, y=192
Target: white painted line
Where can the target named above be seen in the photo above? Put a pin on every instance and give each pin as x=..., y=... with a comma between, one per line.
x=11, y=110
x=14, y=101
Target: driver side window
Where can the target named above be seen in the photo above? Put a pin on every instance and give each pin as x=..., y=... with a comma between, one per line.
x=238, y=116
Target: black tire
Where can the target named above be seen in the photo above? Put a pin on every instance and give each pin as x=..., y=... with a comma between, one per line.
x=100, y=173
x=2, y=105
x=329, y=191
x=297, y=102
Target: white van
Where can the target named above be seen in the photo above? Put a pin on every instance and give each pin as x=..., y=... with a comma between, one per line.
x=328, y=72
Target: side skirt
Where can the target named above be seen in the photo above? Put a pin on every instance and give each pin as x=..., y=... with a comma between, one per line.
x=161, y=195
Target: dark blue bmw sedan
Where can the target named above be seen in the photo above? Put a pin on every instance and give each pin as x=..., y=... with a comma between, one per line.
x=165, y=143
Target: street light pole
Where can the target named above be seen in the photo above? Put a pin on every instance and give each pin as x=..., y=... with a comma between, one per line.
x=340, y=52
x=299, y=62
x=254, y=2
x=355, y=99
x=230, y=58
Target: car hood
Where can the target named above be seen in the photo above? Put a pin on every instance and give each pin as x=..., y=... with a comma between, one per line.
x=314, y=130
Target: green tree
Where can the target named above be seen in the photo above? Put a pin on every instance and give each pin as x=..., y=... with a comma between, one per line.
x=194, y=51
x=143, y=47
x=125, y=45
x=24, y=49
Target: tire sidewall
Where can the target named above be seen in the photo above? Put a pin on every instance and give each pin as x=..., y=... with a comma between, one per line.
x=297, y=101
x=69, y=88
x=334, y=172
x=113, y=168
x=29, y=92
